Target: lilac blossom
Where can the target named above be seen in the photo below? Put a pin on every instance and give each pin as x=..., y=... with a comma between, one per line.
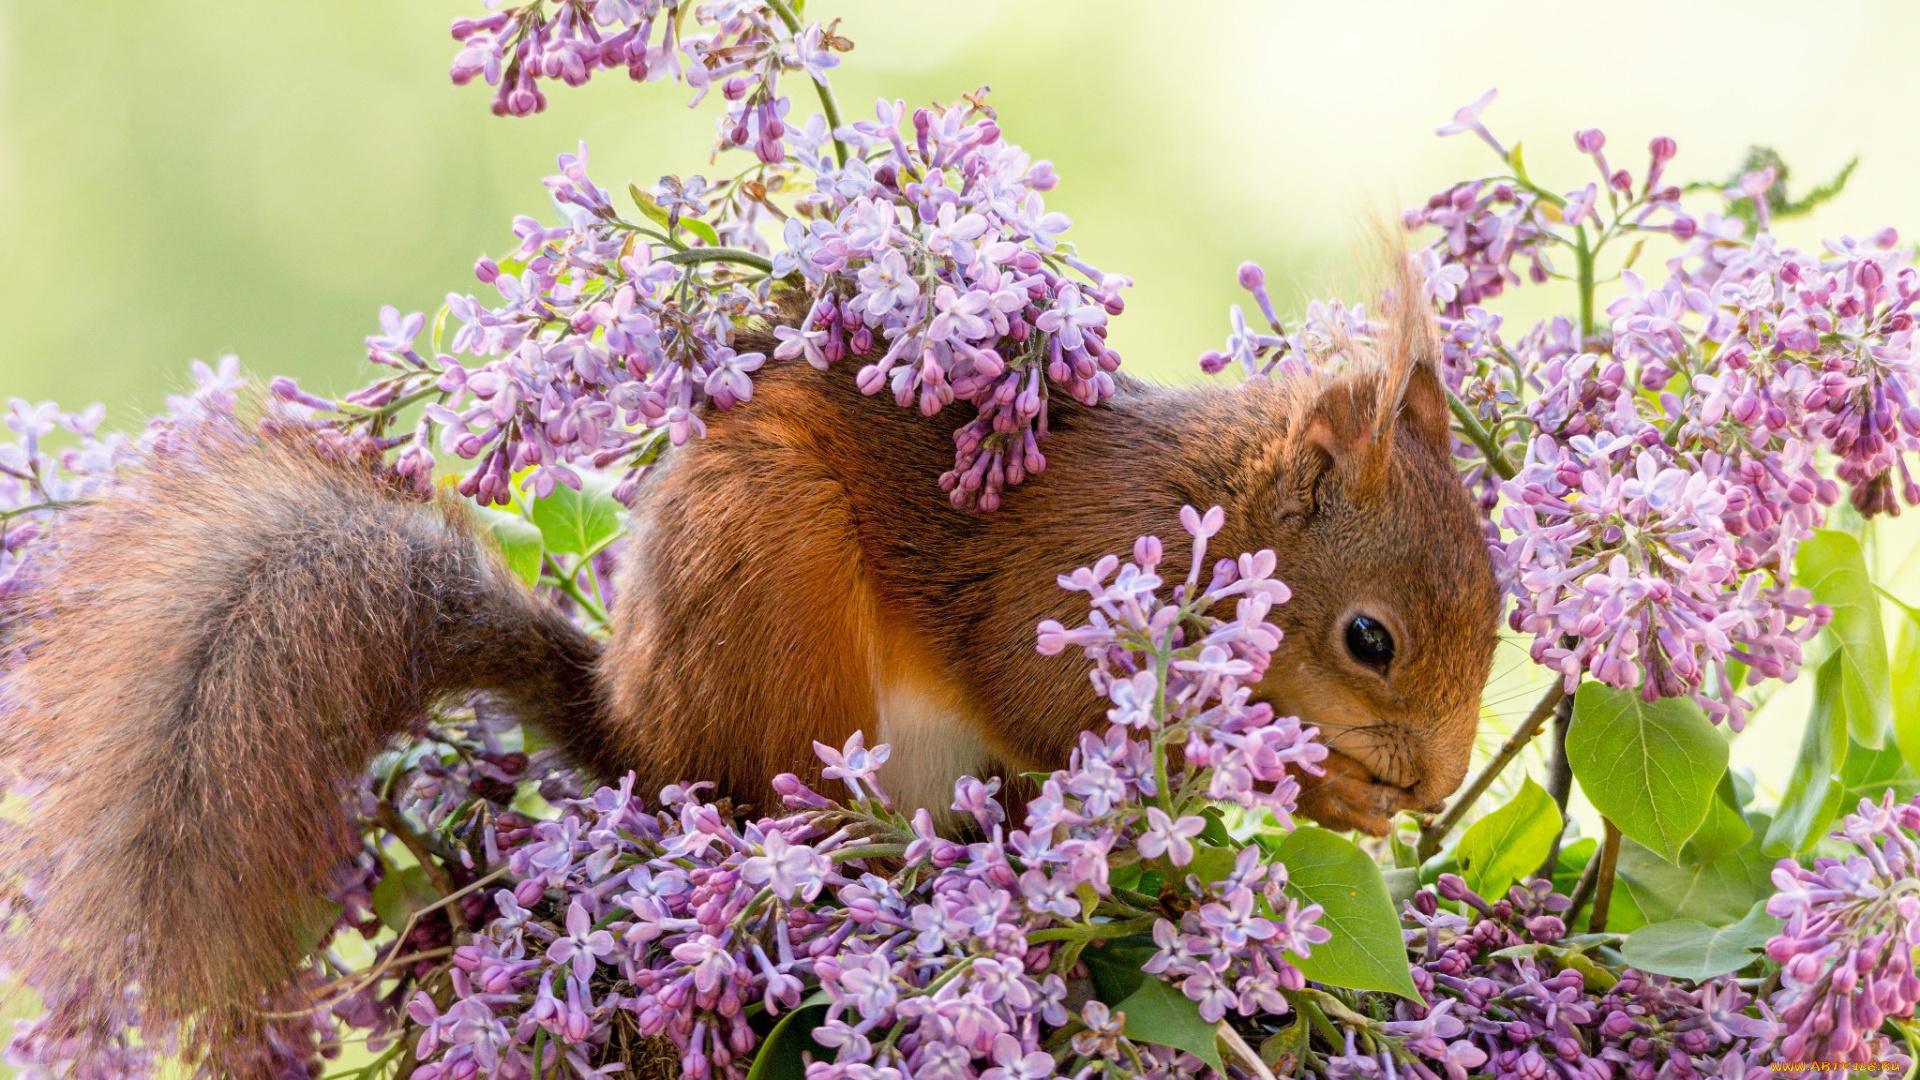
x=917, y=243
x=1853, y=923
x=1651, y=470
x=1647, y=476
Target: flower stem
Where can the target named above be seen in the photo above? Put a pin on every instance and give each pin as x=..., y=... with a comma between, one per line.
x=1096, y=931
x=1583, y=262
x=719, y=254
x=49, y=504
x=1480, y=437
x=1431, y=836
x=828, y=105
x=571, y=589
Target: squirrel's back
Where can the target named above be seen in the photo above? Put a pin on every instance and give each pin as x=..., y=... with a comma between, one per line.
x=798, y=575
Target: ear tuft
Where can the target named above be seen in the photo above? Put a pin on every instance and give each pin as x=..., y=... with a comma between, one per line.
x=1349, y=425
x=1412, y=391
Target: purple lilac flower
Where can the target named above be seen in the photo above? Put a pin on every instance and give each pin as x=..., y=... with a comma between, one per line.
x=1853, y=923
x=920, y=240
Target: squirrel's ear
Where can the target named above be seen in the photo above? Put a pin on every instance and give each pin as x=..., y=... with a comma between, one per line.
x=1350, y=425
x=1411, y=390
x=1338, y=432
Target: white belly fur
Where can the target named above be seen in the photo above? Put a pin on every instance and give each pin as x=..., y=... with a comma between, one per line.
x=933, y=745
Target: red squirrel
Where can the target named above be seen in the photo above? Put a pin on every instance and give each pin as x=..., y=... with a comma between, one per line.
x=254, y=619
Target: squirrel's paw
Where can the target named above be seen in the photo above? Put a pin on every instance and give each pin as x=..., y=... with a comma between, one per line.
x=1349, y=796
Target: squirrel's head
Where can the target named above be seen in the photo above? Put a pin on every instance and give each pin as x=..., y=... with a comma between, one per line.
x=1391, y=629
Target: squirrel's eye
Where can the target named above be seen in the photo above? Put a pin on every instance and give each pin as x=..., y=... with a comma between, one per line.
x=1370, y=643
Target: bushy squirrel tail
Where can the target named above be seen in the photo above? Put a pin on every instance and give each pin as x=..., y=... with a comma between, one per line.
x=218, y=648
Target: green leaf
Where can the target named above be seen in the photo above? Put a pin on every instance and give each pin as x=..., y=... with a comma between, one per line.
x=577, y=522
x=1832, y=567
x=314, y=922
x=1725, y=830
x=1650, y=767
x=779, y=1055
x=518, y=541
x=1813, y=789
x=1402, y=883
x=1689, y=949
x=1573, y=859
x=1569, y=953
x=658, y=215
x=1115, y=966
x=1215, y=829
x=1125, y=877
x=1906, y=687
x=1869, y=773
x=1367, y=951
x=1210, y=863
x=400, y=893
x=702, y=230
x=1284, y=1049
x=648, y=205
x=1717, y=893
x=1157, y=1013
x=1509, y=844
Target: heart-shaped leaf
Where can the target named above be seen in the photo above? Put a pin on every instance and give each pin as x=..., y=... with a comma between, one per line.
x=1717, y=893
x=1509, y=844
x=1688, y=949
x=1831, y=566
x=400, y=893
x=1115, y=966
x=1367, y=951
x=1870, y=773
x=1157, y=1013
x=518, y=541
x=1725, y=830
x=1650, y=767
x=579, y=522
x=779, y=1055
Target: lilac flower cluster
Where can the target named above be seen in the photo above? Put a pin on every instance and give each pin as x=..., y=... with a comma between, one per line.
x=934, y=957
x=1853, y=923
x=1654, y=470
x=1511, y=995
x=918, y=240
x=1654, y=475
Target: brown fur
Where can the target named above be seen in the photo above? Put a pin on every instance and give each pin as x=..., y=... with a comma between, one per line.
x=238, y=633
x=250, y=627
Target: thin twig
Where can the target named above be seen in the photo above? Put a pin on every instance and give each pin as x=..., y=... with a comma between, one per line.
x=389, y=819
x=1603, y=891
x=719, y=254
x=828, y=106
x=1583, y=889
x=1559, y=782
x=1242, y=1051
x=379, y=970
x=48, y=504
x=1431, y=836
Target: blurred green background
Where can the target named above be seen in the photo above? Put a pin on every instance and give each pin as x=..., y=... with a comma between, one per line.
x=185, y=179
